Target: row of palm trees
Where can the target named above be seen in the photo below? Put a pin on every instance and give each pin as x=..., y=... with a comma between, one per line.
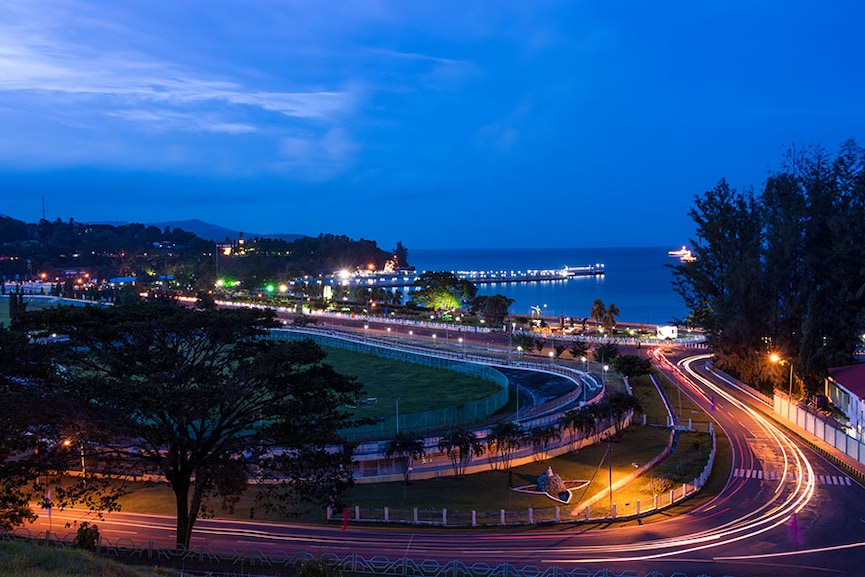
x=461, y=445
x=604, y=315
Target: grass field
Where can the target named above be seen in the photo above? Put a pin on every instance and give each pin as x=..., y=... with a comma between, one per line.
x=422, y=388
x=33, y=304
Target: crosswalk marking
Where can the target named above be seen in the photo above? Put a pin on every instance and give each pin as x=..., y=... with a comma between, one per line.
x=760, y=474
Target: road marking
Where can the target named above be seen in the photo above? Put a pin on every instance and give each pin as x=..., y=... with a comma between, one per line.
x=760, y=474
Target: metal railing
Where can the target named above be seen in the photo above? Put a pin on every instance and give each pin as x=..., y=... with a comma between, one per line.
x=245, y=561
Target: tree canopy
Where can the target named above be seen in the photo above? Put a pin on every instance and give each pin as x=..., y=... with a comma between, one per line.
x=783, y=270
x=205, y=399
x=442, y=291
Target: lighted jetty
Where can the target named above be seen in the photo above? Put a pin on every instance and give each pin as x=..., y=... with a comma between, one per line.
x=408, y=278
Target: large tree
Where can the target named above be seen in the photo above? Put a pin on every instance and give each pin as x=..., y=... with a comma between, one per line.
x=205, y=399
x=442, y=291
x=782, y=272
x=41, y=437
x=493, y=307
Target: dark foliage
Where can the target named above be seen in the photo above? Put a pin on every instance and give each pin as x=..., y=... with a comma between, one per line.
x=782, y=271
x=203, y=398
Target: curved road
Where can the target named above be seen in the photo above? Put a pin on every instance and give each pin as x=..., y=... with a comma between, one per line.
x=779, y=514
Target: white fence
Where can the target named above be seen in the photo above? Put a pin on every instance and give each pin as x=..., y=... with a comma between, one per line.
x=819, y=428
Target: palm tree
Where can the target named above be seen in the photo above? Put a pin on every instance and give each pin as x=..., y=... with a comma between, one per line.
x=407, y=446
x=606, y=352
x=540, y=344
x=610, y=317
x=579, y=349
x=541, y=437
x=598, y=312
x=506, y=437
x=619, y=405
x=577, y=421
x=460, y=445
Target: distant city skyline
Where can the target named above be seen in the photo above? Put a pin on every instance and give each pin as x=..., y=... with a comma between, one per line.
x=438, y=124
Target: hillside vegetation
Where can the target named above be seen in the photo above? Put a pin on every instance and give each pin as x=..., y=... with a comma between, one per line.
x=25, y=560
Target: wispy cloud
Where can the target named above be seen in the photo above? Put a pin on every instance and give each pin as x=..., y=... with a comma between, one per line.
x=47, y=60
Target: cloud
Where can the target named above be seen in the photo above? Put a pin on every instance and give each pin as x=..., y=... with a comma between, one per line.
x=320, y=157
x=71, y=64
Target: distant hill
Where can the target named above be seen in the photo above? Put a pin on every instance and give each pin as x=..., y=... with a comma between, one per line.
x=214, y=232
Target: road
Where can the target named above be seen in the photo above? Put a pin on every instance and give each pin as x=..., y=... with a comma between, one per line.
x=784, y=511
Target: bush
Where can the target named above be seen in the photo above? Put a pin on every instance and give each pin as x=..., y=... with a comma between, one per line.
x=87, y=537
x=318, y=566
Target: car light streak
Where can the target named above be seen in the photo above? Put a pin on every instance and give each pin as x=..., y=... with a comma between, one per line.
x=770, y=516
x=792, y=553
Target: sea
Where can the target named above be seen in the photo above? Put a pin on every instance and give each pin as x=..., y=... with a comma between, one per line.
x=637, y=280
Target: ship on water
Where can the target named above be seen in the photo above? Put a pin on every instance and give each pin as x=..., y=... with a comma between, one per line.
x=683, y=254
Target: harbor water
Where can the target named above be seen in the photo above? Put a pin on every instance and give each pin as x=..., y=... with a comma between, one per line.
x=637, y=280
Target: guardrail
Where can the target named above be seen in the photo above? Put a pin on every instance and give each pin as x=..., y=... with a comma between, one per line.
x=203, y=560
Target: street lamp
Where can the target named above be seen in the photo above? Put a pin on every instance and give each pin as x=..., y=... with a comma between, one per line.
x=552, y=358
x=585, y=364
x=604, y=378
x=775, y=358
x=68, y=443
x=398, y=397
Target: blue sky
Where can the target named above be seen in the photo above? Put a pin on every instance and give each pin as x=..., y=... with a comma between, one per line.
x=437, y=123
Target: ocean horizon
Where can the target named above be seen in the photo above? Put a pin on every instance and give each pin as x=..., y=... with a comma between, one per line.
x=636, y=279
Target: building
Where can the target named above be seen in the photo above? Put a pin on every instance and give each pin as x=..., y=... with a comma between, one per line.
x=845, y=387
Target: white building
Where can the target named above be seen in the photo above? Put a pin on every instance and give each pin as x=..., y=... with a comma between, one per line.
x=845, y=387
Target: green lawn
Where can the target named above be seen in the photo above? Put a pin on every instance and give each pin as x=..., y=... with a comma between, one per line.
x=422, y=388
x=33, y=304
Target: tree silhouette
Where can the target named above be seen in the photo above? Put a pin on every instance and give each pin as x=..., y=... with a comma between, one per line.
x=203, y=399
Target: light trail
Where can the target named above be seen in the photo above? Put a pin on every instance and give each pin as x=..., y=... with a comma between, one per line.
x=772, y=514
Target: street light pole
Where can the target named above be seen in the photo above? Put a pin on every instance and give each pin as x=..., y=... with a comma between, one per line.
x=775, y=358
x=398, y=397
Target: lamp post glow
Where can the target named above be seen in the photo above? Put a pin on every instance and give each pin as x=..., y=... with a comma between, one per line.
x=585, y=364
x=552, y=358
x=604, y=378
x=775, y=358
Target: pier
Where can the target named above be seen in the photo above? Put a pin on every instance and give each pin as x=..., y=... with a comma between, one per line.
x=403, y=279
